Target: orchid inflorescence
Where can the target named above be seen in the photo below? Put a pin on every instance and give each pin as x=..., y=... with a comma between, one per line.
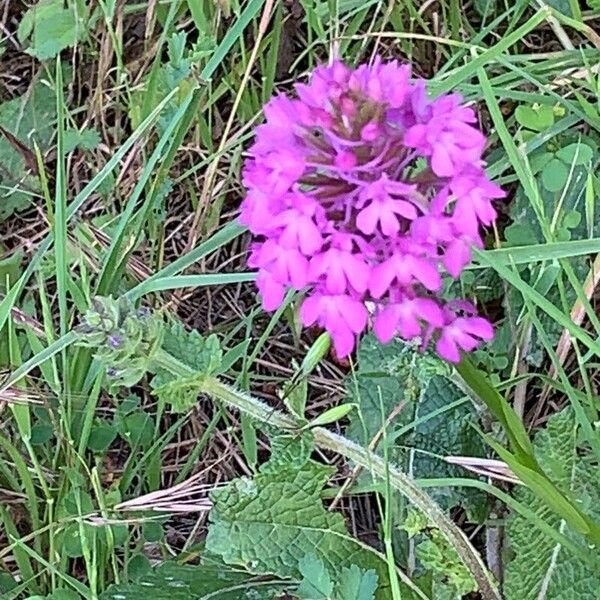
x=363, y=191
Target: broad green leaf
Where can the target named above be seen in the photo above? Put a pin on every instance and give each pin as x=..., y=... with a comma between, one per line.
x=31, y=119
x=71, y=539
x=139, y=565
x=537, y=119
x=201, y=354
x=316, y=582
x=518, y=234
x=50, y=28
x=10, y=270
x=152, y=531
x=288, y=450
x=356, y=584
x=555, y=175
x=137, y=428
x=578, y=154
x=295, y=396
x=539, y=160
x=522, y=212
x=541, y=567
x=41, y=433
x=102, y=436
x=563, y=6
x=572, y=219
x=207, y=581
x=77, y=502
x=266, y=522
x=436, y=417
x=87, y=139
x=437, y=555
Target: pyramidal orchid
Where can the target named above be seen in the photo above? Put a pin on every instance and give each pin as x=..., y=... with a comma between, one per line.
x=363, y=191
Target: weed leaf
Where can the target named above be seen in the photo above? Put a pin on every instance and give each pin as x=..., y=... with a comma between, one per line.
x=540, y=567
x=266, y=522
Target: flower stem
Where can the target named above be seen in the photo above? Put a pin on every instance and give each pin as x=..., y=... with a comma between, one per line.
x=328, y=440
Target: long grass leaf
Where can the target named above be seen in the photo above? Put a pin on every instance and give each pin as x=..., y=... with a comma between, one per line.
x=175, y=282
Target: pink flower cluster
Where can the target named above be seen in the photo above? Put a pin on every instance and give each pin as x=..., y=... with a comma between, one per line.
x=362, y=190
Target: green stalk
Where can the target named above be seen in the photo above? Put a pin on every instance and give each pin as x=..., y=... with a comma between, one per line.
x=255, y=408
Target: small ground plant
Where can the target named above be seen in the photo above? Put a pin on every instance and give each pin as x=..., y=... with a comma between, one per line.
x=298, y=300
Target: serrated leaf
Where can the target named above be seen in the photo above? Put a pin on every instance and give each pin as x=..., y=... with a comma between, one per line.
x=180, y=393
x=396, y=372
x=541, y=567
x=436, y=554
x=356, y=584
x=288, y=451
x=316, y=582
x=265, y=523
x=88, y=139
x=171, y=581
x=415, y=522
x=203, y=355
x=295, y=396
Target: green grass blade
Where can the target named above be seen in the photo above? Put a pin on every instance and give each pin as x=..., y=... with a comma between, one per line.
x=112, y=256
x=9, y=300
x=222, y=237
x=233, y=34
x=175, y=282
x=454, y=79
x=525, y=255
x=50, y=351
x=536, y=298
x=60, y=207
x=581, y=552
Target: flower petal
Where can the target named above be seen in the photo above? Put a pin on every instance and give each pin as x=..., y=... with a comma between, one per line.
x=447, y=348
